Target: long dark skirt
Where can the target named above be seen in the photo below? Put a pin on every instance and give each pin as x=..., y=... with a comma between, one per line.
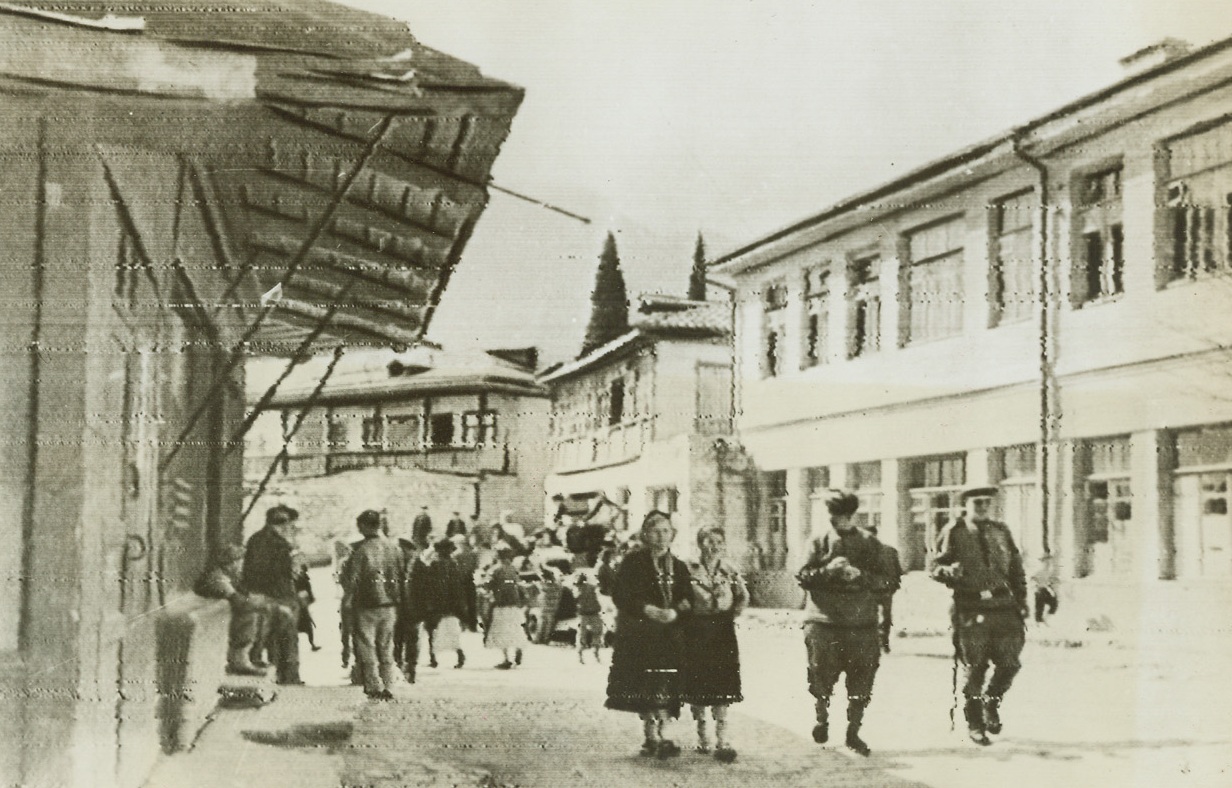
x=646, y=662
x=711, y=670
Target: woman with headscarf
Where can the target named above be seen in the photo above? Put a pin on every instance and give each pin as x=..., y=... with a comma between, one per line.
x=505, y=630
x=651, y=590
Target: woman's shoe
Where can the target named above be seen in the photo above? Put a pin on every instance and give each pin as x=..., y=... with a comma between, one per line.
x=725, y=755
x=506, y=665
x=668, y=749
x=650, y=747
x=461, y=660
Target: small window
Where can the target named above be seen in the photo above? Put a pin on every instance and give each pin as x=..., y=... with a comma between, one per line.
x=935, y=281
x=442, y=430
x=774, y=329
x=373, y=433
x=1100, y=253
x=816, y=316
x=616, y=402
x=864, y=305
x=1013, y=280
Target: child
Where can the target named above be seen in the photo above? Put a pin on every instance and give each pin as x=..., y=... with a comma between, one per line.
x=590, y=629
x=505, y=629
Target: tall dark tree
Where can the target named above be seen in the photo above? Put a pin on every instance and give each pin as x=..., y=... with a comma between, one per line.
x=697, y=277
x=609, y=302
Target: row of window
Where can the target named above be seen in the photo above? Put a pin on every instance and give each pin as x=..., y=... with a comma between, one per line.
x=1108, y=531
x=609, y=402
x=406, y=432
x=1196, y=201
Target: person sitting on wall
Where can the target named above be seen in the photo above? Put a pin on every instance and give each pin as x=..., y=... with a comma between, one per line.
x=248, y=611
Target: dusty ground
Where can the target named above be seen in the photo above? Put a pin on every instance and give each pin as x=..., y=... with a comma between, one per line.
x=1091, y=715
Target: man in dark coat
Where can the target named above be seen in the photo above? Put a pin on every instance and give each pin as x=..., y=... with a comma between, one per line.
x=844, y=578
x=421, y=530
x=270, y=570
x=978, y=560
x=455, y=527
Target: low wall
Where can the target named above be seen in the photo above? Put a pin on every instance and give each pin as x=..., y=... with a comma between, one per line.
x=191, y=657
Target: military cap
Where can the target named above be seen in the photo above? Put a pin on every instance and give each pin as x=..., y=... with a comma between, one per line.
x=977, y=492
x=280, y=515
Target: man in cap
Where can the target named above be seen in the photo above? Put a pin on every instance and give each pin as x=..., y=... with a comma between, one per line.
x=977, y=559
x=421, y=529
x=844, y=580
x=269, y=570
x=372, y=584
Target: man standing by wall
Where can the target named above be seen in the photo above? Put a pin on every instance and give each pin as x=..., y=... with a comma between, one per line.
x=977, y=559
x=844, y=580
x=269, y=570
x=371, y=587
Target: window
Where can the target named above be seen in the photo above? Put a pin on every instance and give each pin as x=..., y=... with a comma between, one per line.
x=402, y=433
x=1013, y=280
x=1018, y=462
x=1202, y=515
x=935, y=485
x=478, y=428
x=442, y=430
x=662, y=499
x=616, y=401
x=1198, y=195
x=816, y=316
x=775, y=329
x=935, y=281
x=864, y=478
x=819, y=489
x=1109, y=507
x=774, y=547
x=373, y=432
x=336, y=435
x=1100, y=257
x=864, y=306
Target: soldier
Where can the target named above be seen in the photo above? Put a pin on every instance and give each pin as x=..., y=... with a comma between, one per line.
x=844, y=580
x=977, y=559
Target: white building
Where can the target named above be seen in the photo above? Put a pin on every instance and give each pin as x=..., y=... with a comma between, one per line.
x=1047, y=312
x=645, y=423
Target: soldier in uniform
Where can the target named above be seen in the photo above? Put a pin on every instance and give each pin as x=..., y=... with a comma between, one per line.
x=844, y=578
x=977, y=559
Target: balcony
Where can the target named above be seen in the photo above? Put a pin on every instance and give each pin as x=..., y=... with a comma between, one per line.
x=605, y=446
x=451, y=459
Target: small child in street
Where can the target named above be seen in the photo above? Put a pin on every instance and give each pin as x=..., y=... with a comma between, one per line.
x=590, y=629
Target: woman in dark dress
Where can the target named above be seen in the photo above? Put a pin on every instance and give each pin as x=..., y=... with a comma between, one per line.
x=650, y=590
x=711, y=670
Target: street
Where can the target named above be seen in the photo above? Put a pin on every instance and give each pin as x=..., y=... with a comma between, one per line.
x=1078, y=716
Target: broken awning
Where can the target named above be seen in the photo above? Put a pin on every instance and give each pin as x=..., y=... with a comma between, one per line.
x=333, y=166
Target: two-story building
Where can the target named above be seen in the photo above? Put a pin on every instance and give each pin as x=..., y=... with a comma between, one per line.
x=472, y=424
x=644, y=422
x=1046, y=312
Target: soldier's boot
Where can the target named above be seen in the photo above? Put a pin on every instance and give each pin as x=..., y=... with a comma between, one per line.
x=821, y=731
x=973, y=711
x=855, y=718
x=238, y=663
x=992, y=714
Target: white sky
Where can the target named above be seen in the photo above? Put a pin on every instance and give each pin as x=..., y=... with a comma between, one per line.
x=659, y=118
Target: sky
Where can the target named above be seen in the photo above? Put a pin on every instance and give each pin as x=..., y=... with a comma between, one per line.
x=659, y=119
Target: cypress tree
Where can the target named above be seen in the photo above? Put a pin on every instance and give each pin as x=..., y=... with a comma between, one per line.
x=609, y=303
x=697, y=277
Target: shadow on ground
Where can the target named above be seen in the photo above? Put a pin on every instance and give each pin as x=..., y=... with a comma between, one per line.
x=328, y=735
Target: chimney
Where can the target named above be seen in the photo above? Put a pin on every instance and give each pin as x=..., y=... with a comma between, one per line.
x=1155, y=55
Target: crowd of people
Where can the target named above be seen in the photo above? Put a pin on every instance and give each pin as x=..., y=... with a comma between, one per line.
x=674, y=642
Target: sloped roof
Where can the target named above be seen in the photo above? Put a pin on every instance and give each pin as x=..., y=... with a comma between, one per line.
x=366, y=376
x=325, y=148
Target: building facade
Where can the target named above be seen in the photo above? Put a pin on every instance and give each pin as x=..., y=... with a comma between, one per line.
x=478, y=419
x=1044, y=312
x=163, y=168
x=645, y=422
